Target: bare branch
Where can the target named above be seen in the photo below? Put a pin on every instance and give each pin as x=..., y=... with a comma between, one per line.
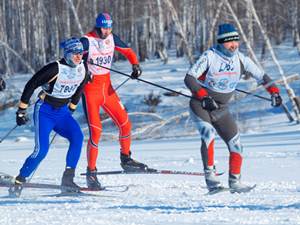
x=71, y=4
x=289, y=90
x=17, y=55
x=180, y=30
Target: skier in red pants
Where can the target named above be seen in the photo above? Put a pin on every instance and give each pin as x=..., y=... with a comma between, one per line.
x=99, y=46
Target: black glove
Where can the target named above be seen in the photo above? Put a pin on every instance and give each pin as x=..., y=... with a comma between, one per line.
x=2, y=84
x=90, y=76
x=276, y=100
x=22, y=117
x=136, y=71
x=209, y=104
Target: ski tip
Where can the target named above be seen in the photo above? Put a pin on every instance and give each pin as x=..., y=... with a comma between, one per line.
x=243, y=190
x=220, y=173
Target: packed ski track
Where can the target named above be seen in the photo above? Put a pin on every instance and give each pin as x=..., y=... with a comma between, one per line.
x=271, y=161
x=271, y=149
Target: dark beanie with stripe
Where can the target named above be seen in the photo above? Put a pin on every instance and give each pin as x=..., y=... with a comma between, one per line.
x=227, y=32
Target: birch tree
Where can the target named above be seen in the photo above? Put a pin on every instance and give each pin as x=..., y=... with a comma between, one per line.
x=180, y=31
x=160, y=46
x=289, y=90
x=295, y=25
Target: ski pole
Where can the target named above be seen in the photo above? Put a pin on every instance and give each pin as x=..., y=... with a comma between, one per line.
x=52, y=139
x=145, y=81
x=122, y=83
x=249, y=93
x=283, y=105
x=8, y=133
x=192, y=97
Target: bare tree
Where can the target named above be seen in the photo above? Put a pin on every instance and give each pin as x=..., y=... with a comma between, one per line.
x=180, y=30
x=295, y=25
x=160, y=46
x=33, y=29
x=252, y=54
x=72, y=7
x=249, y=19
x=17, y=55
x=214, y=22
x=289, y=90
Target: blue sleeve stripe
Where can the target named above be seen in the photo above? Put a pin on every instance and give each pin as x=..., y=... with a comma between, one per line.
x=118, y=42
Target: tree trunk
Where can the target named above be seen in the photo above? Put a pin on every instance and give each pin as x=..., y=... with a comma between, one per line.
x=160, y=45
x=77, y=22
x=289, y=90
x=295, y=30
x=181, y=34
x=249, y=19
x=214, y=22
x=252, y=54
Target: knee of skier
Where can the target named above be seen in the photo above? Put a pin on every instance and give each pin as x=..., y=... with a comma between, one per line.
x=207, y=132
x=125, y=128
x=95, y=134
x=39, y=154
x=234, y=144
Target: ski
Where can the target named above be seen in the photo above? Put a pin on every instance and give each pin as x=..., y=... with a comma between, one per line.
x=74, y=194
x=232, y=191
x=152, y=171
x=8, y=181
x=242, y=190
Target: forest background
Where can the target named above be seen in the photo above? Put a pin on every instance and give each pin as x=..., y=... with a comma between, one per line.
x=31, y=30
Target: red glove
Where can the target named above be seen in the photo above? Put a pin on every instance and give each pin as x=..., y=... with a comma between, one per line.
x=276, y=99
x=273, y=90
x=201, y=93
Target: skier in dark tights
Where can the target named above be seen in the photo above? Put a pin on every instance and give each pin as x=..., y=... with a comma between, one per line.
x=213, y=79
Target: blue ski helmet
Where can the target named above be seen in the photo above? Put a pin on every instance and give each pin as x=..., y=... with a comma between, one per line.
x=71, y=46
x=104, y=20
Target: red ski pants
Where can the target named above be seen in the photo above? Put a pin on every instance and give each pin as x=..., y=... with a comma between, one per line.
x=100, y=93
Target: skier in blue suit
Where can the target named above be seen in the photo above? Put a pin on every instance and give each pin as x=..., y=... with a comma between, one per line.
x=62, y=83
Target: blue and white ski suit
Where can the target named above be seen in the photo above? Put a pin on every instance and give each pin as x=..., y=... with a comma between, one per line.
x=62, y=86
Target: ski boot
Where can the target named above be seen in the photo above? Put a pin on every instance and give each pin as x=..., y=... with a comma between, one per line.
x=236, y=186
x=15, y=190
x=67, y=182
x=130, y=165
x=92, y=180
x=212, y=182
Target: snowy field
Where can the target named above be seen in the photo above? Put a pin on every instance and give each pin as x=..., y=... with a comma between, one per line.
x=271, y=150
x=272, y=161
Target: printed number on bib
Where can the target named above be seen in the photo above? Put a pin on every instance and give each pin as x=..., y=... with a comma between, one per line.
x=103, y=60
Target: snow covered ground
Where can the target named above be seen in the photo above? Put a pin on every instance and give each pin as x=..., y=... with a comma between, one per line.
x=272, y=161
x=271, y=150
